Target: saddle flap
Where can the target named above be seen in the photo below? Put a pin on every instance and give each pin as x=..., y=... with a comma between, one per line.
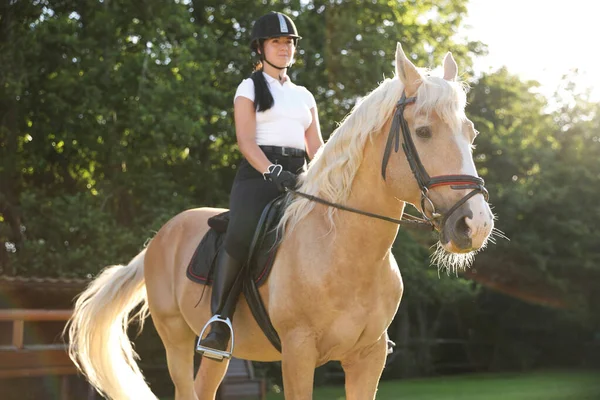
x=265, y=237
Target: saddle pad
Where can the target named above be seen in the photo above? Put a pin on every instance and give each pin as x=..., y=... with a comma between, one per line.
x=262, y=254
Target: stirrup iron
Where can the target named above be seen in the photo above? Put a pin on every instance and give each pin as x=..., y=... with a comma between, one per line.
x=218, y=355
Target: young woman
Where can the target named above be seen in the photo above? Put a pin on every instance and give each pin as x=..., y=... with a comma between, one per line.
x=277, y=126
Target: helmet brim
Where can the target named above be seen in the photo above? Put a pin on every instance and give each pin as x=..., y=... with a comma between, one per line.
x=254, y=43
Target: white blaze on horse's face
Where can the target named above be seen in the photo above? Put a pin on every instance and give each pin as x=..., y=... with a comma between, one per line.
x=443, y=138
x=474, y=220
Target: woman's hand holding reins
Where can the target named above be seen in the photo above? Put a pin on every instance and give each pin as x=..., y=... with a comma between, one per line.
x=284, y=180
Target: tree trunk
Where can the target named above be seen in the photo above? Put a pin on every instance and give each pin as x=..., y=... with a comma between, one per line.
x=402, y=338
x=423, y=341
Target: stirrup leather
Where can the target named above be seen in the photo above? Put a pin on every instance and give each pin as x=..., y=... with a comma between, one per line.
x=215, y=354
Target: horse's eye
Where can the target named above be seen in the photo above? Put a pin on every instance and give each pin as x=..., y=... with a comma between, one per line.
x=423, y=132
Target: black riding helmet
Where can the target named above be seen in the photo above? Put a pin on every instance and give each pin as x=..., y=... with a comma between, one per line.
x=273, y=24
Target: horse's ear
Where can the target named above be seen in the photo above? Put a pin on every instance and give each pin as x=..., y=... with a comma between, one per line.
x=450, y=68
x=407, y=72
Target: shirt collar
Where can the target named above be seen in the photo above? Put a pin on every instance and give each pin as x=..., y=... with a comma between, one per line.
x=270, y=79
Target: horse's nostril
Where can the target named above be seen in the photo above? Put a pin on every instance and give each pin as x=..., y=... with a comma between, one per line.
x=462, y=228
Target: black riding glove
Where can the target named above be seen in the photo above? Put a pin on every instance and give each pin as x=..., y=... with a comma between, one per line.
x=284, y=180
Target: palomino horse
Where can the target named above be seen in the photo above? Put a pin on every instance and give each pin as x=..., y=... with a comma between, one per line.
x=335, y=286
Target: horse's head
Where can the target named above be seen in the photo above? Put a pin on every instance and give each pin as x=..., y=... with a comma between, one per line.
x=436, y=172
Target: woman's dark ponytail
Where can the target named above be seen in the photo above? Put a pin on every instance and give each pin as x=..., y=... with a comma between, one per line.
x=263, y=99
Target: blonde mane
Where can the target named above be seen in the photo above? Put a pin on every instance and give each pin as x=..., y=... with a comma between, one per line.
x=331, y=173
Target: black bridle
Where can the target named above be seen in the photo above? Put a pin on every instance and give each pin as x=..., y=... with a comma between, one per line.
x=425, y=182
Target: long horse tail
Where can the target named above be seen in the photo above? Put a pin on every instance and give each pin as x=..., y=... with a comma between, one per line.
x=98, y=342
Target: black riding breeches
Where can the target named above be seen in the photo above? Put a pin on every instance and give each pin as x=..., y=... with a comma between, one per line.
x=249, y=196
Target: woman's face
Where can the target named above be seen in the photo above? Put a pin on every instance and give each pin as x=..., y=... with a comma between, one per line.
x=279, y=50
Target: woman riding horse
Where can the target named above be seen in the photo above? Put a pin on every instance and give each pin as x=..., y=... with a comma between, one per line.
x=335, y=286
x=275, y=120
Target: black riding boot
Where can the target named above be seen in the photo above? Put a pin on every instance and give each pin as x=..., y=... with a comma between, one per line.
x=225, y=292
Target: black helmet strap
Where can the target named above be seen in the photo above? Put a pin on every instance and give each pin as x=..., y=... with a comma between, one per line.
x=275, y=66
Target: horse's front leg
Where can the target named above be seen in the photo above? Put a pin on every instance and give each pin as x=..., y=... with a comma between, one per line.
x=299, y=358
x=363, y=370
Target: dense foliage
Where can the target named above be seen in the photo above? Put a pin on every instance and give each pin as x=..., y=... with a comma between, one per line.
x=116, y=115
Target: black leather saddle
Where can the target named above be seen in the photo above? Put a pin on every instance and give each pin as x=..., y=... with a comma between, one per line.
x=262, y=251
x=256, y=270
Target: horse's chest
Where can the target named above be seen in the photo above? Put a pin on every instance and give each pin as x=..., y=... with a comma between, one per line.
x=351, y=331
x=359, y=324
x=344, y=314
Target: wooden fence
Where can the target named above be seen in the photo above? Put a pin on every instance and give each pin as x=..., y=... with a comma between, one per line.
x=19, y=360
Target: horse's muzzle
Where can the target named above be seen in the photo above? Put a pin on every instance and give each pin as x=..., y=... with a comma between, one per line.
x=462, y=232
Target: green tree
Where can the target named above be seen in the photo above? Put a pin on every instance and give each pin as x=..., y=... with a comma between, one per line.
x=542, y=172
x=118, y=117
x=348, y=46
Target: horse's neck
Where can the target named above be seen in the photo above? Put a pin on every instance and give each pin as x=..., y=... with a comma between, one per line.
x=360, y=240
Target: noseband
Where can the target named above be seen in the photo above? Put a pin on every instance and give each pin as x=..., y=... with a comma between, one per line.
x=425, y=182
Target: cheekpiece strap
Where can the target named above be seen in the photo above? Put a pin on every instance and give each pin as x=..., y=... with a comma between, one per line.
x=394, y=135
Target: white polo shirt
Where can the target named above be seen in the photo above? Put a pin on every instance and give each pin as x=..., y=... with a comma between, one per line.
x=283, y=124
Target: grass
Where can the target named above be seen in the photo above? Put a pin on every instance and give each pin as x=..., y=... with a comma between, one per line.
x=530, y=386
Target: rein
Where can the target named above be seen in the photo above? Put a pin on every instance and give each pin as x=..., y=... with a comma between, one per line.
x=410, y=221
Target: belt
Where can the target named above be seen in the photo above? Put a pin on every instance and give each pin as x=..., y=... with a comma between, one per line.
x=283, y=151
